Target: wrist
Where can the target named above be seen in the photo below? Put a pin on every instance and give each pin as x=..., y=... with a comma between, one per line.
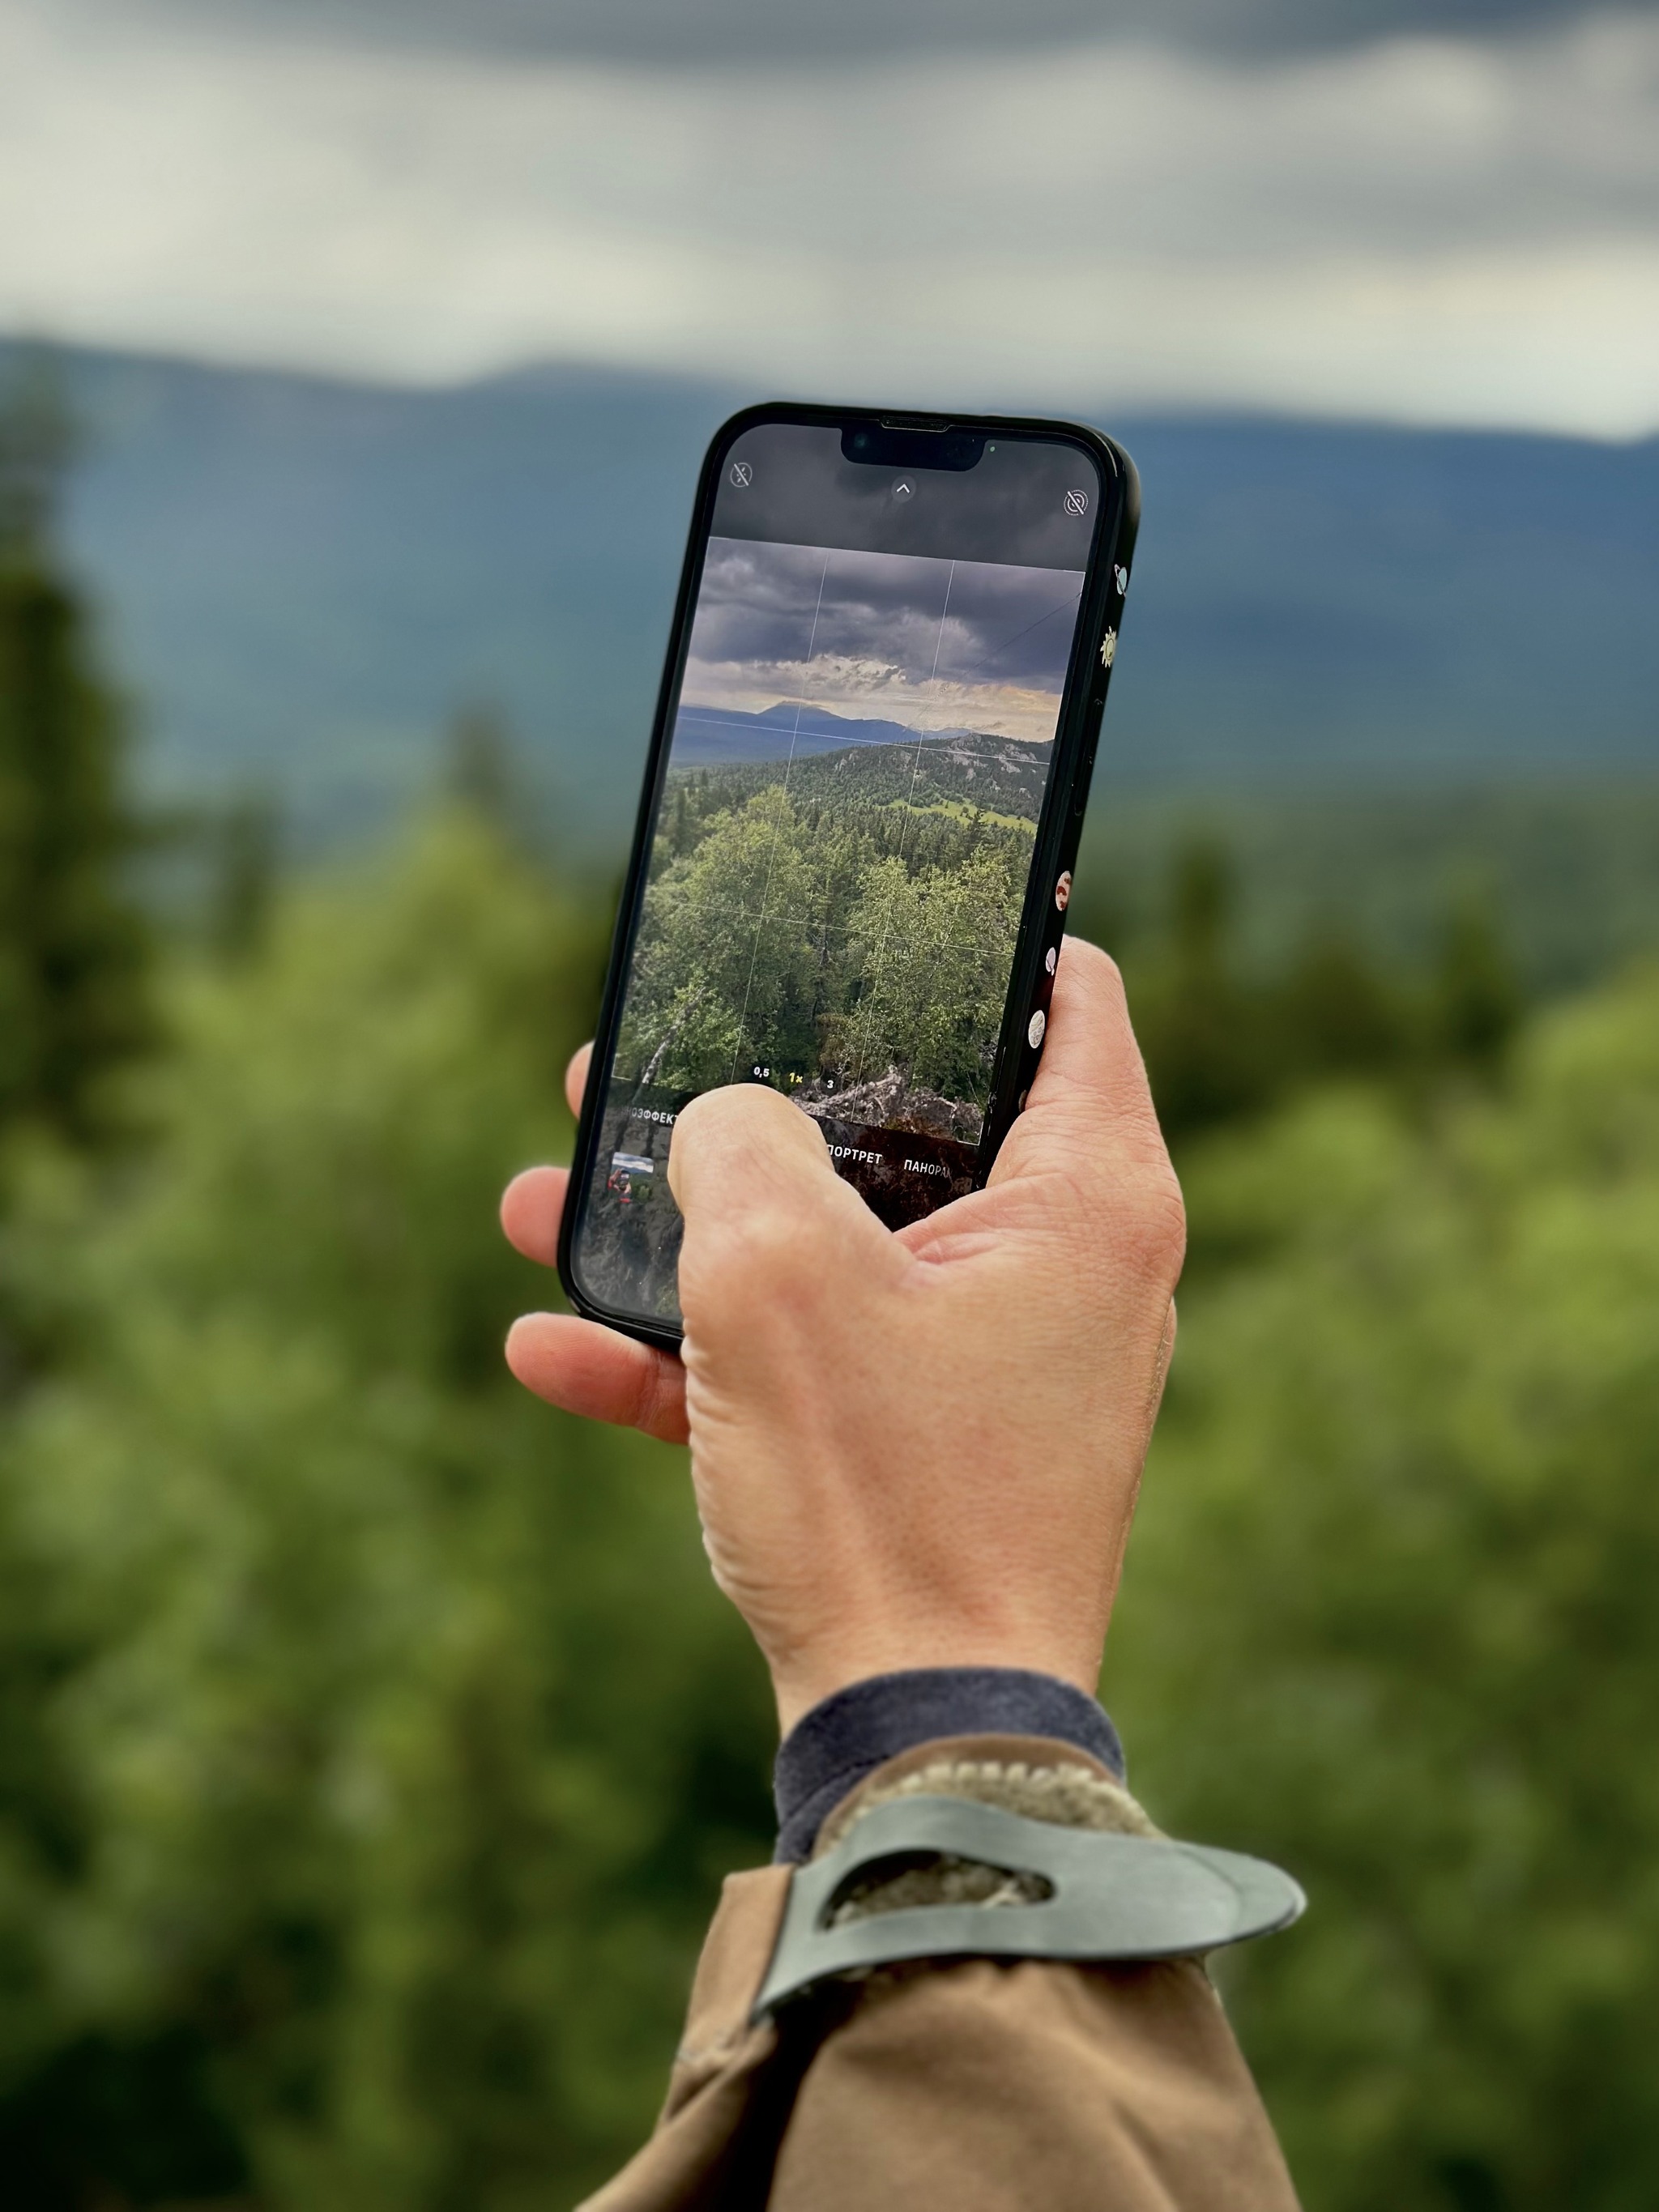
x=833, y=1746
x=802, y=1685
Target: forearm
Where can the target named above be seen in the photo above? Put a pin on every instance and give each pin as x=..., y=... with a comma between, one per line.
x=972, y=2082
x=921, y=1449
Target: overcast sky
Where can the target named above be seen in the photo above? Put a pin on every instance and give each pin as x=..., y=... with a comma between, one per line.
x=1286, y=204
x=750, y=30
x=937, y=645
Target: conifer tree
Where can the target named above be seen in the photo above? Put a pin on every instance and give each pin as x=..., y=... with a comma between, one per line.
x=1476, y=1001
x=248, y=842
x=73, y=946
x=481, y=773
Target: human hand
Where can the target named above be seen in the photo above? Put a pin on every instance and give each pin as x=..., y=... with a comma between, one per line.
x=909, y=1448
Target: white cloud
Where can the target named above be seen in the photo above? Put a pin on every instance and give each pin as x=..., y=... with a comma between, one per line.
x=856, y=687
x=1428, y=230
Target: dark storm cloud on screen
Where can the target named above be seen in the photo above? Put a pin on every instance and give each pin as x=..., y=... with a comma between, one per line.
x=658, y=31
x=965, y=622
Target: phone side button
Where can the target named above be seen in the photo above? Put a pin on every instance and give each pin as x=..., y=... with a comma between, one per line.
x=1085, y=770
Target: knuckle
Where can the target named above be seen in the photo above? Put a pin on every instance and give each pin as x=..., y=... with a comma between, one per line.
x=660, y=1410
x=766, y=1245
x=748, y=1263
x=1153, y=1224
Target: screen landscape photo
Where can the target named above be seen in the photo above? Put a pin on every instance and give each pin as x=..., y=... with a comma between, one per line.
x=842, y=850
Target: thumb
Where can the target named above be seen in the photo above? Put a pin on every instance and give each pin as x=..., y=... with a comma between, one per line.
x=765, y=1211
x=744, y=1150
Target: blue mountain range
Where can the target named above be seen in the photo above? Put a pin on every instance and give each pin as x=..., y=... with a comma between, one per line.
x=302, y=581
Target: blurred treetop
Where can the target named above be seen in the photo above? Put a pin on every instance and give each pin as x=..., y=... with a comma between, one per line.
x=1388, y=1615
x=74, y=949
x=38, y=441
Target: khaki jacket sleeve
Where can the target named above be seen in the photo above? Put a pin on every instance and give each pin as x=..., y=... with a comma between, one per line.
x=978, y=2086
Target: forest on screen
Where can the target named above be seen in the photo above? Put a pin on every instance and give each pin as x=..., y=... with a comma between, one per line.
x=878, y=930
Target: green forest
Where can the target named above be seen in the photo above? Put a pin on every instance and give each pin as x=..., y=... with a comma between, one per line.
x=371, y=1738
x=860, y=918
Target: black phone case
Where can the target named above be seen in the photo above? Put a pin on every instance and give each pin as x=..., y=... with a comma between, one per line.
x=1041, y=923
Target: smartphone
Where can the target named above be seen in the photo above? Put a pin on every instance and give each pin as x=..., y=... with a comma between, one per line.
x=867, y=773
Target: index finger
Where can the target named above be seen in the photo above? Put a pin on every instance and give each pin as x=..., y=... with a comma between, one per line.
x=575, y=1076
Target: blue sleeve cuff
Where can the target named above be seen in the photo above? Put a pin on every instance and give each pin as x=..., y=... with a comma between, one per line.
x=829, y=1751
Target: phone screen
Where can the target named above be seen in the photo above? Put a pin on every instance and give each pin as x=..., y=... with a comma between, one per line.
x=844, y=825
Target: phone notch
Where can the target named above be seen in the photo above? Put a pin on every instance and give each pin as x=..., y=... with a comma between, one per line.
x=913, y=446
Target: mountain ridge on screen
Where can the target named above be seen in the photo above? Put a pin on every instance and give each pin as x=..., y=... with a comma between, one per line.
x=707, y=736
x=1003, y=777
